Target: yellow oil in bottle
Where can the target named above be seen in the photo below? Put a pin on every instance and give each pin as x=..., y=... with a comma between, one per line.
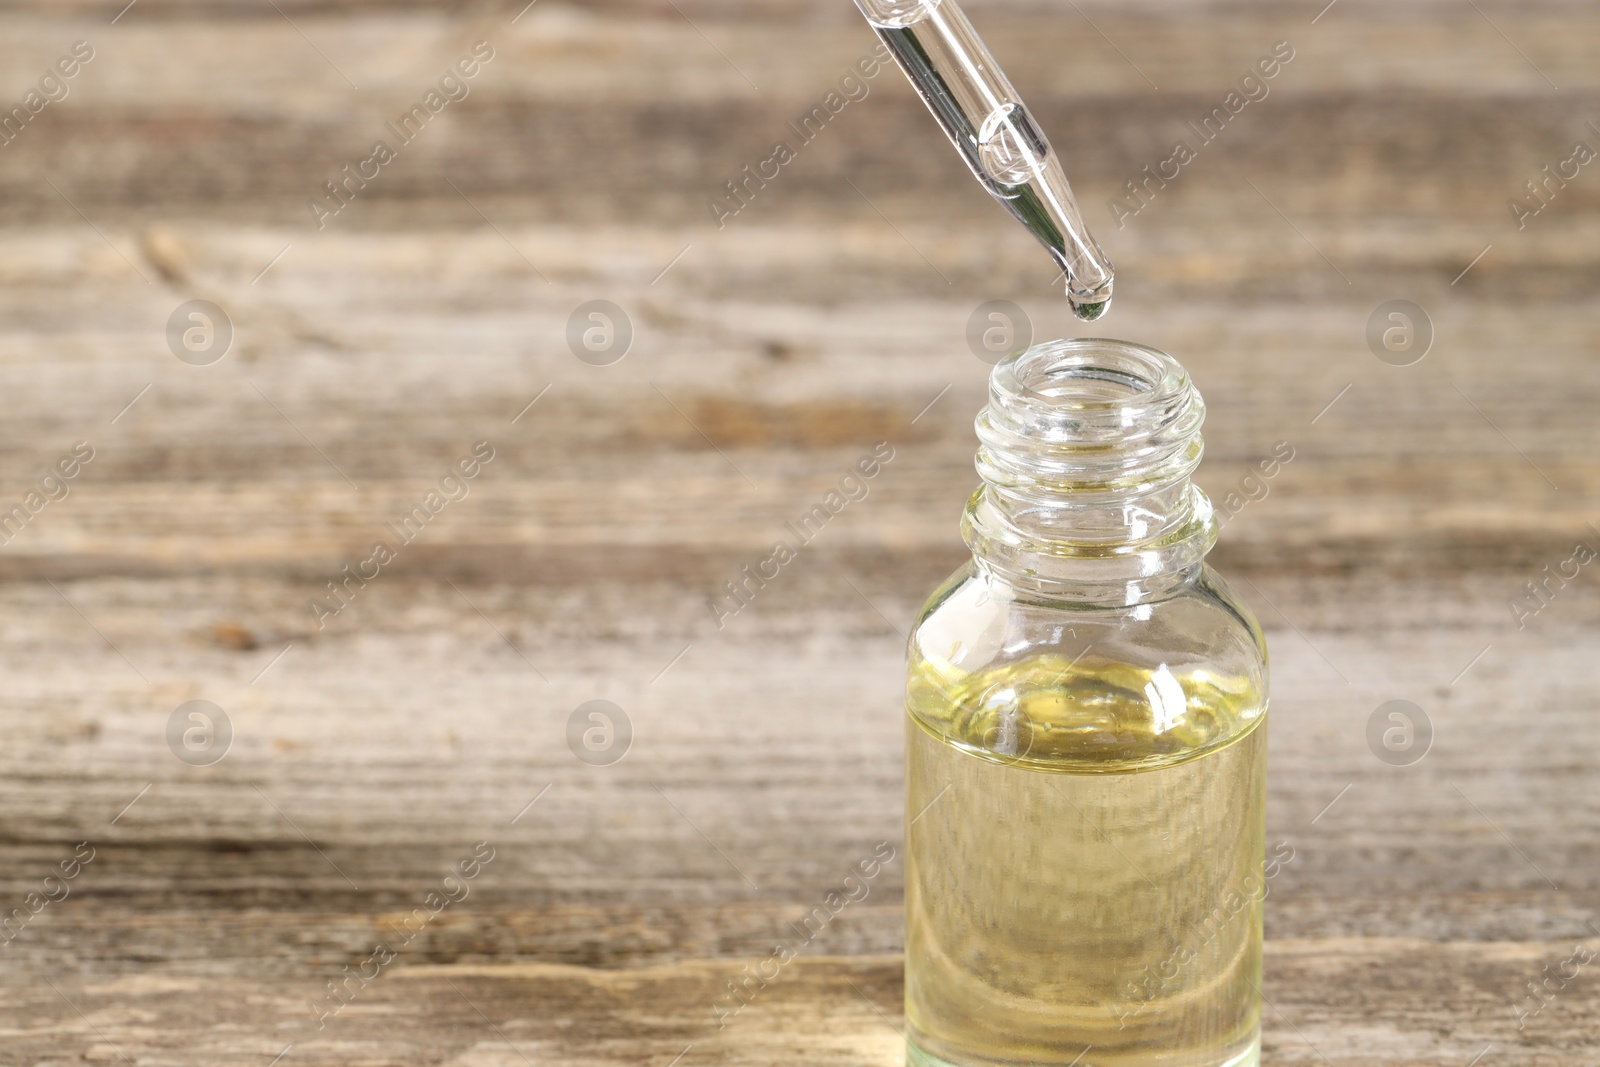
x=1084, y=866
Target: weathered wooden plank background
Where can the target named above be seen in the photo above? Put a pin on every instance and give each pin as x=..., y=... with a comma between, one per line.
x=821, y=319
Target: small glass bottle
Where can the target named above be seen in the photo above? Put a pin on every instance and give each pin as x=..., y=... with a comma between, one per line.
x=1086, y=742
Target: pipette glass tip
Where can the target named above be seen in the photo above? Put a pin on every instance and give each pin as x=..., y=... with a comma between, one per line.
x=985, y=119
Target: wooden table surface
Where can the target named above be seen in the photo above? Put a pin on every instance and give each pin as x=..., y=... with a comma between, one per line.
x=374, y=749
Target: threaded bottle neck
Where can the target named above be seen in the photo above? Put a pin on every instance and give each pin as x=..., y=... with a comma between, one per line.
x=1086, y=450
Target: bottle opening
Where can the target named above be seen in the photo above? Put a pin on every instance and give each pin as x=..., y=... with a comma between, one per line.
x=1093, y=391
x=1086, y=385
x=1086, y=451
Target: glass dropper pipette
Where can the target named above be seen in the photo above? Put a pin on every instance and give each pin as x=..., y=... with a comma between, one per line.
x=984, y=117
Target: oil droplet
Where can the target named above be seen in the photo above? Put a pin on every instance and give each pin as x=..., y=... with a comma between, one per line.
x=1089, y=304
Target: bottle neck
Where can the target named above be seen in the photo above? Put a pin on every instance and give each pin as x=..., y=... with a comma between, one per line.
x=1086, y=450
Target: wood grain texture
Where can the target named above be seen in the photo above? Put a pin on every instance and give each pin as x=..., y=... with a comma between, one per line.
x=372, y=751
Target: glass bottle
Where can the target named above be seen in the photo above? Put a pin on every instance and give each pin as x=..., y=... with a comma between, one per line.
x=1086, y=742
